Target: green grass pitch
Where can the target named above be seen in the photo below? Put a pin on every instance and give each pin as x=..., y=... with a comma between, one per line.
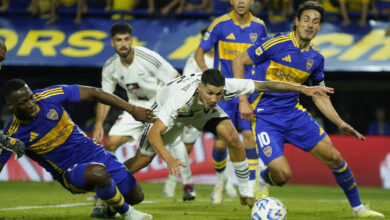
x=38, y=200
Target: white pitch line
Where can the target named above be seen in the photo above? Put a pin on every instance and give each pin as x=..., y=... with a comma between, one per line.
x=55, y=206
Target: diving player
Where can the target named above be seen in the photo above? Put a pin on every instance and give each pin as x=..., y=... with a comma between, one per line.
x=230, y=35
x=279, y=118
x=56, y=143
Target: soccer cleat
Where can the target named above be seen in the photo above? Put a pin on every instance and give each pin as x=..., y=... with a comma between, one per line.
x=189, y=192
x=133, y=214
x=230, y=190
x=217, y=194
x=170, y=186
x=365, y=212
x=98, y=212
x=261, y=187
x=249, y=201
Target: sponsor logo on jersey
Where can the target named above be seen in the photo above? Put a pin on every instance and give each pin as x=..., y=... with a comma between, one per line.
x=287, y=58
x=267, y=151
x=321, y=131
x=231, y=37
x=309, y=64
x=52, y=114
x=259, y=51
x=253, y=37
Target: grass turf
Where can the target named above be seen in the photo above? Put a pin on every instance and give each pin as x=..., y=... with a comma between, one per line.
x=39, y=200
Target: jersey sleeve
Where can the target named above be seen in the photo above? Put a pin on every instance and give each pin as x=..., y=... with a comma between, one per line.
x=191, y=66
x=59, y=94
x=257, y=53
x=210, y=37
x=236, y=87
x=165, y=71
x=317, y=76
x=168, y=113
x=108, y=81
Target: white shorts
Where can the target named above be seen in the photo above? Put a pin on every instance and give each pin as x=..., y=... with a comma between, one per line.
x=126, y=125
x=198, y=121
x=190, y=134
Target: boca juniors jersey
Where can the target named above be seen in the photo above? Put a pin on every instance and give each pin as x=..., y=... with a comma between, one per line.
x=279, y=58
x=229, y=39
x=52, y=139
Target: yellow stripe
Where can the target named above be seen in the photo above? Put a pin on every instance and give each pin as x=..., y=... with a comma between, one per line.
x=342, y=169
x=217, y=21
x=48, y=91
x=278, y=42
x=300, y=107
x=117, y=200
x=72, y=187
x=294, y=40
x=280, y=72
x=253, y=121
x=253, y=161
x=270, y=178
x=220, y=164
x=352, y=186
x=257, y=20
x=14, y=126
x=40, y=97
x=274, y=40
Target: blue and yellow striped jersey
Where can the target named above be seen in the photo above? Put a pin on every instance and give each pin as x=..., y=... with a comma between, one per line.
x=229, y=39
x=279, y=58
x=52, y=139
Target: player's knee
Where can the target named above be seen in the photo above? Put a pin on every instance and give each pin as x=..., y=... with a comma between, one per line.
x=138, y=198
x=281, y=177
x=97, y=175
x=233, y=140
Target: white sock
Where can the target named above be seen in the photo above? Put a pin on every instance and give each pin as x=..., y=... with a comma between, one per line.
x=179, y=151
x=241, y=169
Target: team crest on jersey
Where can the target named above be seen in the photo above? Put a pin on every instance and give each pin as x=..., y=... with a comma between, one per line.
x=52, y=114
x=253, y=37
x=309, y=64
x=267, y=151
x=259, y=51
x=206, y=36
x=183, y=109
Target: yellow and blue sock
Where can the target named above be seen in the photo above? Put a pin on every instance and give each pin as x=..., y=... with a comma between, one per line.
x=253, y=162
x=219, y=160
x=113, y=198
x=346, y=181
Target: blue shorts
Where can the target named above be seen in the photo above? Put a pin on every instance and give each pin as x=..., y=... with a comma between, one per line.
x=231, y=109
x=73, y=178
x=296, y=127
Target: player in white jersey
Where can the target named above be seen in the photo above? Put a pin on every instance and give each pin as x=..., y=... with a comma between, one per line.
x=141, y=72
x=192, y=100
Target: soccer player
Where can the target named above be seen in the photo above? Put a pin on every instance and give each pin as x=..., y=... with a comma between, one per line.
x=56, y=143
x=280, y=118
x=6, y=143
x=230, y=35
x=141, y=72
x=192, y=100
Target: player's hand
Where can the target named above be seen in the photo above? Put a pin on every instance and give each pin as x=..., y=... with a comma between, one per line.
x=317, y=90
x=348, y=129
x=12, y=145
x=143, y=114
x=98, y=134
x=245, y=108
x=174, y=166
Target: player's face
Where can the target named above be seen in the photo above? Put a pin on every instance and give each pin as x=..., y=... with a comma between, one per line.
x=241, y=7
x=3, y=55
x=210, y=95
x=308, y=25
x=122, y=44
x=22, y=104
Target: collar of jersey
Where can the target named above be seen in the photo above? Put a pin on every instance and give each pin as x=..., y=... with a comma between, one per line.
x=295, y=42
x=236, y=21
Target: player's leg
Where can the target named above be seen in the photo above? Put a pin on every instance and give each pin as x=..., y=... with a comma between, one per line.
x=327, y=154
x=125, y=129
x=225, y=130
x=179, y=151
x=219, y=161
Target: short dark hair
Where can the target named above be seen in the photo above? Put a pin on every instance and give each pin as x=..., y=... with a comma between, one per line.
x=213, y=77
x=121, y=28
x=308, y=5
x=2, y=45
x=12, y=86
x=204, y=30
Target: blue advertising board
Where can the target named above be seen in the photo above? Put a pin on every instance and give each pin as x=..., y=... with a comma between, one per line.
x=32, y=43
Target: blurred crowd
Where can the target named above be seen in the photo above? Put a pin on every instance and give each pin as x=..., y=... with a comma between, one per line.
x=275, y=11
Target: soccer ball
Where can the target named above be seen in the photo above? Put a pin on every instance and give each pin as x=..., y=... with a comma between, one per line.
x=269, y=208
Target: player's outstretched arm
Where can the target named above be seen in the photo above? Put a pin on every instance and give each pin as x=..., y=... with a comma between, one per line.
x=325, y=106
x=97, y=94
x=12, y=145
x=199, y=58
x=277, y=86
x=156, y=141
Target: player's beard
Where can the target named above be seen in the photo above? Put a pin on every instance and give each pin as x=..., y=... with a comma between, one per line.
x=122, y=53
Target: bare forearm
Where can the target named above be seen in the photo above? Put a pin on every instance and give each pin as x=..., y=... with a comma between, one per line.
x=276, y=86
x=101, y=112
x=238, y=69
x=158, y=145
x=199, y=58
x=325, y=106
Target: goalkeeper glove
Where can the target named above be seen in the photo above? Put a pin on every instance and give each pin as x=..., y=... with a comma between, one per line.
x=12, y=145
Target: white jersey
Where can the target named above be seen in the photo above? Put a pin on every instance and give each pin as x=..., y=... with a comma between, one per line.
x=192, y=67
x=178, y=105
x=142, y=79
